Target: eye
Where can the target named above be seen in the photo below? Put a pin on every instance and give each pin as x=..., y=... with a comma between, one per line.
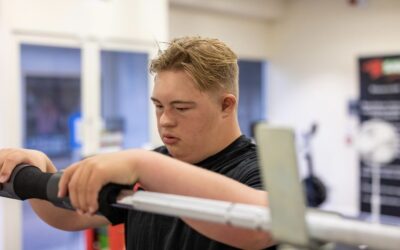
x=182, y=109
x=158, y=107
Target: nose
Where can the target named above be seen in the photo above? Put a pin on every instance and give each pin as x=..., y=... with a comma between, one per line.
x=166, y=119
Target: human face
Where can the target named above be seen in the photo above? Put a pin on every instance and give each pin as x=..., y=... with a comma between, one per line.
x=188, y=120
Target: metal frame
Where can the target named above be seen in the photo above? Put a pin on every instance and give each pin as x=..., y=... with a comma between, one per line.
x=322, y=226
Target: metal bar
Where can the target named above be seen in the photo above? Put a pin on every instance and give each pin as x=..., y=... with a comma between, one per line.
x=335, y=228
x=323, y=226
x=222, y=212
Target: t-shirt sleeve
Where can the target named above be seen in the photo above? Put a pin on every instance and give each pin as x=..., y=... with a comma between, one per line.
x=249, y=174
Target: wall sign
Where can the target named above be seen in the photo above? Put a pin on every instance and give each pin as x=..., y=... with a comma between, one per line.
x=380, y=99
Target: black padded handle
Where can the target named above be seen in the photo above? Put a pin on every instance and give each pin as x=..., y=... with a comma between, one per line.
x=31, y=182
x=27, y=182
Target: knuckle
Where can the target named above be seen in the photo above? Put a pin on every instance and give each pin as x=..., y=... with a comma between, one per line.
x=80, y=189
x=67, y=171
x=5, y=150
x=5, y=172
x=11, y=159
x=71, y=186
x=91, y=163
x=90, y=190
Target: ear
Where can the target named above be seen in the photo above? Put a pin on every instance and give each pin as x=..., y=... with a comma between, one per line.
x=228, y=104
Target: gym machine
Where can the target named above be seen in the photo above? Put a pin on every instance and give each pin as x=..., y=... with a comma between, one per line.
x=292, y=225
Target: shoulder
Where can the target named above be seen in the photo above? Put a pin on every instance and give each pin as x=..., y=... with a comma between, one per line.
x=246, y=151
x=247, y=169
x=248, y=172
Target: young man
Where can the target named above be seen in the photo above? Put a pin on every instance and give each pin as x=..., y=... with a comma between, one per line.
x=196, y=96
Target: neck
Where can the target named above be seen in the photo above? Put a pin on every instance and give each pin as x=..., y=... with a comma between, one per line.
x=222, y=138
x=230, y=135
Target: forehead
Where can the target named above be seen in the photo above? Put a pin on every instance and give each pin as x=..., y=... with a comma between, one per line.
x=175, y=85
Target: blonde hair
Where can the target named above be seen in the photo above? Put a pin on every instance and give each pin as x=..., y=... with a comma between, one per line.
x=210, y=62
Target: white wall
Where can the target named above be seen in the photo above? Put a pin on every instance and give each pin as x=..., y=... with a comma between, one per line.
x=313, y=73
x=124, y=19
x=250, y=38
x=10, y=223
x=88, y=24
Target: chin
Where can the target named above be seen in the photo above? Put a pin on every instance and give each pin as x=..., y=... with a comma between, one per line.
x=177, y=155
x=173, y=151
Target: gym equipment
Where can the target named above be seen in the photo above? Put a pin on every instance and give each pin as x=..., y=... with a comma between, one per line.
x=29, y=182
x=315, y=189
x=287, y=219
x=378, y=145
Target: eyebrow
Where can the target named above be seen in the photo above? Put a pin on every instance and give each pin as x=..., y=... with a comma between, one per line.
x=175, y=101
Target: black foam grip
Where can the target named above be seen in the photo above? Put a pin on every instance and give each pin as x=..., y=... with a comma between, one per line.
x=108, y=195
x=31, y=182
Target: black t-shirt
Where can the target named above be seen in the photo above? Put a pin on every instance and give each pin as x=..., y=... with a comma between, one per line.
x=151, y=231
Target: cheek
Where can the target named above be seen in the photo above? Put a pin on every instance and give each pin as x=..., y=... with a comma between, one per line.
x=158, y=121
x=201, y=125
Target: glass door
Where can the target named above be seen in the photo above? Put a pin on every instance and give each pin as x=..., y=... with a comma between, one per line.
x=70, y=113
x=51, y=80
x=124, y=100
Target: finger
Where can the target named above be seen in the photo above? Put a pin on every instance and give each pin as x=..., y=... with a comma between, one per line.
x=93, y=193
x=65, y=179
x=3, y=153
x=83, y=185
x=73, y=187
x=10, y=160
x=2, y=157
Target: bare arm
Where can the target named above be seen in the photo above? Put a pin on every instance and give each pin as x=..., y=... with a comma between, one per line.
x=155, y=172
x=159, y=173
x=65, y=219
x=180, y=178
x=54, y=216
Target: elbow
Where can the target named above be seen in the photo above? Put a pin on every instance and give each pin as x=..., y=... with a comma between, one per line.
x=67, y=228
x=63, y=225
x=259, y=240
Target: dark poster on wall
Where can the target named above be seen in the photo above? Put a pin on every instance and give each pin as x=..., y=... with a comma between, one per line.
x=380, y=99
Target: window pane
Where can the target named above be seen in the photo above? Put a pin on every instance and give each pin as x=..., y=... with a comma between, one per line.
x=51, y=89
x=125, y=99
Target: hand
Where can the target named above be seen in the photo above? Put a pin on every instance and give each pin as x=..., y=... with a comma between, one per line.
x=10, y=158
x=83, y=180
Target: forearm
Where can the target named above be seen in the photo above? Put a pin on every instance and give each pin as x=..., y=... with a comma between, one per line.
x=60, y=218
x=237, y=237
x=160, y=173
x=65, y=219
x=176, y=177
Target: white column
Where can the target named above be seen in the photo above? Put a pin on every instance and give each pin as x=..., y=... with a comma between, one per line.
x=10, y=126
x=91, y=90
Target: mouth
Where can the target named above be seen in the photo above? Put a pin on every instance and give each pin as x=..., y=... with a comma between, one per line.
x=169, y=139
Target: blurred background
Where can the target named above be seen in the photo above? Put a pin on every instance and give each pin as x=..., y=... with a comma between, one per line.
x=74, y=81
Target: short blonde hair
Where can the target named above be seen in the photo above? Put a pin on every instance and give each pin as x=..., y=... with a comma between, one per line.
x=210, y=62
